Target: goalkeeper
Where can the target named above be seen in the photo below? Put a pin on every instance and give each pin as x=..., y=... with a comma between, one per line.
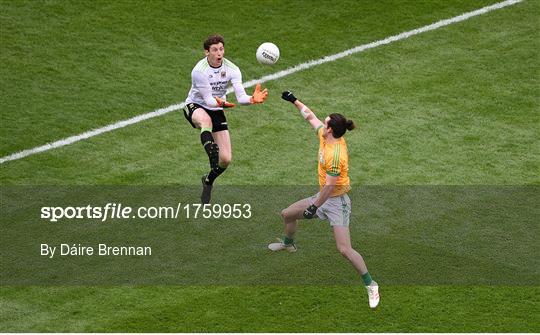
x=332, y=202
x=206, y=101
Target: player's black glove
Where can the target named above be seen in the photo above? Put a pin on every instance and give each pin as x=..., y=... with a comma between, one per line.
x=309, y=213
x=288, y=96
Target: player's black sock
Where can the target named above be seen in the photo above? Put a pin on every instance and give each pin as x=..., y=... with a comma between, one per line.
x=216, y=171
x=211, y=148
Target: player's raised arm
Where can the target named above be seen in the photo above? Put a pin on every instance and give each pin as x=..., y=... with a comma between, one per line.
x=304, y=110
x=258, y=96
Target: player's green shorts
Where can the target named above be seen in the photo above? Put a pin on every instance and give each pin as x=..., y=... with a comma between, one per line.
x=337, y=210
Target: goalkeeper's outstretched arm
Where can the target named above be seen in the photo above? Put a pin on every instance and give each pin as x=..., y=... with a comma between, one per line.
x=304, y=110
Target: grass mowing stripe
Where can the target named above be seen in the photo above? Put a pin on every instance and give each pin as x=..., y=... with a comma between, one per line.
x=269, y=309
x=91, y=133
x=277, y=75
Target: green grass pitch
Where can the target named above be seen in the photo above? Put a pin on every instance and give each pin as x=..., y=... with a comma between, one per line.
x=454, y=106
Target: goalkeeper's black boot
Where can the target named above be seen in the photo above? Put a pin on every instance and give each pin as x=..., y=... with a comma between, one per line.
x=206, y=190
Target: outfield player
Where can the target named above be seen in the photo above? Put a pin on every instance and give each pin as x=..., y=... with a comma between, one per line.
x=331, y=202
x=206, y=101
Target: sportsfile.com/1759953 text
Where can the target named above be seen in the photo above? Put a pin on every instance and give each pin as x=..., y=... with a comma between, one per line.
x=119, y=211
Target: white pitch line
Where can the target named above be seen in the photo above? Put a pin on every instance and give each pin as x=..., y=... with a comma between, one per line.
x=277, y=75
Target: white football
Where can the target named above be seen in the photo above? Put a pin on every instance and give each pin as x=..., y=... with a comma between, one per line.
x=267, y=53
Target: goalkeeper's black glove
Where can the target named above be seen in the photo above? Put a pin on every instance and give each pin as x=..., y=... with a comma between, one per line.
x=309, y=213
x=288, y=96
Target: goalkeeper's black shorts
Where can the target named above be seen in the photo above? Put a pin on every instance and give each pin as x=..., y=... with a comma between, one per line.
x=219, y=121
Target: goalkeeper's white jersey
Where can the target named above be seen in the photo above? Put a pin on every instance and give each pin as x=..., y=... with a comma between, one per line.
x=208, y=82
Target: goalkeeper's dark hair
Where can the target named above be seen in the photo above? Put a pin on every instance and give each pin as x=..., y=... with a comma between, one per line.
x=339, y=124
x=213, y=39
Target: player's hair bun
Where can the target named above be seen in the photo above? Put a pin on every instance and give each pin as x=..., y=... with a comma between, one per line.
x=350, y=125
x=339, y=124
